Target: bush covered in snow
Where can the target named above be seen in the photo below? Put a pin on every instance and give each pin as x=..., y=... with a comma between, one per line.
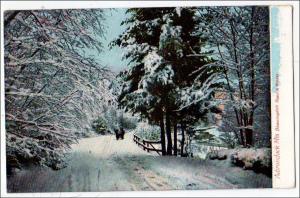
x=217, y=154
x=259, y=160
x=100, y=126
x=112, y=118
x=45, y=151
x=127, y=122
x=256, y=159
x=149, y=132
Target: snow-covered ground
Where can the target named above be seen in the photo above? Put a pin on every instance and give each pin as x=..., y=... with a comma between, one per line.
x=105, y=164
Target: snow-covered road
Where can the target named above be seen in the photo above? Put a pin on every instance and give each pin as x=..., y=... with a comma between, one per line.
x=105, y=164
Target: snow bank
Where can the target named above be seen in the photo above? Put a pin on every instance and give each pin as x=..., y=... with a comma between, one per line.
x=258, y=160
x=217, y=154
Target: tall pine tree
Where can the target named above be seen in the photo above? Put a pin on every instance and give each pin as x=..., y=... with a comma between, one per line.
x=166, y=60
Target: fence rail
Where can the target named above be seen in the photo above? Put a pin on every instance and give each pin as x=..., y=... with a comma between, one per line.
x=147, y=145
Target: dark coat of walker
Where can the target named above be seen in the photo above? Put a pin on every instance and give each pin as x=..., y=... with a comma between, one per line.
x=119, y=133
x=122, y=133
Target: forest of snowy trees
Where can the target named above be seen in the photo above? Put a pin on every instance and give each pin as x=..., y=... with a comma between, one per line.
x=180, y=58
x=189, y=68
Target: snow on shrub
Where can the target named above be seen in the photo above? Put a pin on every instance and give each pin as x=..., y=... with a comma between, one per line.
x=100, y=126
x=217, y=154
x=111, y=119
x=257, y=159
x=149, y=132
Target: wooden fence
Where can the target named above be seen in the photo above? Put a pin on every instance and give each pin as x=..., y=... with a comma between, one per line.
x=147, y=145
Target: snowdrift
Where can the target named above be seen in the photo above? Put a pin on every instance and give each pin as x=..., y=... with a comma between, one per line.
x=256, y=159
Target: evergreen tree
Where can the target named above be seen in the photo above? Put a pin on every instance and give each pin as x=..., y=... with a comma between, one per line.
x=167, y=60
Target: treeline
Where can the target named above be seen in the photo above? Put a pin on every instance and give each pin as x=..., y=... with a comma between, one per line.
x=111, y=119
x=180, y=58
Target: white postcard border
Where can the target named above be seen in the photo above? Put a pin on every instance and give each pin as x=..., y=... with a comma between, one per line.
x=288, y=142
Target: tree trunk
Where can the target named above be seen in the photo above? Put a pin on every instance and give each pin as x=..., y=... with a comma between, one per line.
x=249, y=137
x=242, y=93
x=169, y=136
x=241, y=139
x=182, y=140
x=175, y=138
x=249, y=132
x=162, y=136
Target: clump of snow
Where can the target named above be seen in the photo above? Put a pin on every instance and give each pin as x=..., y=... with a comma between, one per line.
x=256, y=159
x=152, y=61
x=220, y=155
x=171, y=35
x=157, y=73
x=252, y=158
x=178, y=11
x=166, y=75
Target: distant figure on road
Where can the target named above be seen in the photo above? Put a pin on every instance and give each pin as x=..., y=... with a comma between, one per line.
x=122, y=132
x=119, y=133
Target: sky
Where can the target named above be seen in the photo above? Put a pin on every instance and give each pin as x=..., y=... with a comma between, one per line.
x=112, y=58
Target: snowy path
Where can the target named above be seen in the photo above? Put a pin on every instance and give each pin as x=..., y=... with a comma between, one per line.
x=104, y=164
